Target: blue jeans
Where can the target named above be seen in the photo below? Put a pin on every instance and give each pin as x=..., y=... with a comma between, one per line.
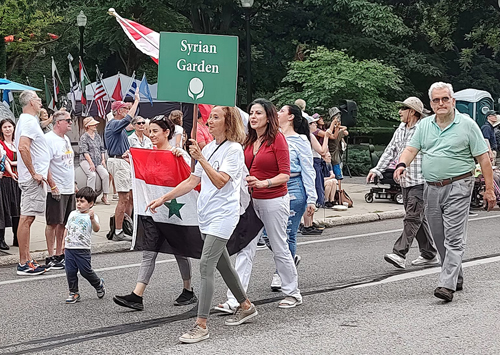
x=298, y=204
x=79, y=259
x=319, y=183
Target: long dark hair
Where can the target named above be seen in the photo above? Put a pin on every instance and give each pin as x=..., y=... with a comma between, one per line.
x=300, y=124
x=165, y=123
x=272, y=127
x=2, y=122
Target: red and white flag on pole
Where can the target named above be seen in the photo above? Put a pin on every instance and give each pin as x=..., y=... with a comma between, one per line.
x=145, y=39
x=117, y=93
x=83, y=82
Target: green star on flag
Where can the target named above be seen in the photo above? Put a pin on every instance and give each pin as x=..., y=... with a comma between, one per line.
x=174, y=208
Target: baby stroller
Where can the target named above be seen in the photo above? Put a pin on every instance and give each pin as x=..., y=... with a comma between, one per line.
x=393, y=192
x=479, y=188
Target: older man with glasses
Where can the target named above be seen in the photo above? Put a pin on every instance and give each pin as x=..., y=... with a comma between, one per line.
x=61, y=196
x=32, y=168
x=449, y=142
x=118, y=145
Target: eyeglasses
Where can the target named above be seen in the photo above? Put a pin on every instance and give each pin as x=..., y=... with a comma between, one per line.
x=437, y=100
x=141, y=123
x=69, y=120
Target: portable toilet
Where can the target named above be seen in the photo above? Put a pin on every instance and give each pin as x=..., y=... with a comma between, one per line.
x=475, y=103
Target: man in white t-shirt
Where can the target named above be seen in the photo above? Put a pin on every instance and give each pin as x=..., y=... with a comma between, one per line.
x=32, y=168
x=61, y=197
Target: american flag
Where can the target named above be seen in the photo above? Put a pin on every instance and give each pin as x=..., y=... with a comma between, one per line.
x=99, y=98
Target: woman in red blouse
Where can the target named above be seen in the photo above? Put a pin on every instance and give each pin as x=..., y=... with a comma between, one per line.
x=268, y=161
x=10, y=192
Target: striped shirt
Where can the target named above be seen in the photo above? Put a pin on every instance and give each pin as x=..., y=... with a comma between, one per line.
x=393, y=151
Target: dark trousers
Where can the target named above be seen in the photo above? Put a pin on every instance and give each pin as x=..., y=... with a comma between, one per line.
x=415, y=225
x=319, y=183
x=79, y=260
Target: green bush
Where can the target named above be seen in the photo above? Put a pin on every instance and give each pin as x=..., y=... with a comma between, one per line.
x=358, y=159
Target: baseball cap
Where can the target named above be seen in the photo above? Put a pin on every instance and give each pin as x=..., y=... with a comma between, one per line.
x=115, y=106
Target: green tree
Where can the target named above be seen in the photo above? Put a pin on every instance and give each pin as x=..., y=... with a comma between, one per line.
x=325, y=77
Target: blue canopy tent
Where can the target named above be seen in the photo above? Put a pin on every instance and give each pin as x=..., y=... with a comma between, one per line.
x=6, y=84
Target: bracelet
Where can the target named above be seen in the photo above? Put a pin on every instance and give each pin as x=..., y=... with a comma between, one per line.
x=401, y=165
x=269, y=183
x=54, y=187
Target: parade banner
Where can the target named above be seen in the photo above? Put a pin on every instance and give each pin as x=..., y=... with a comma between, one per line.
x=198, y=69
x=174, y=228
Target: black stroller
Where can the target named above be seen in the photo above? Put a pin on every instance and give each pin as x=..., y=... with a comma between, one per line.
x=393, y=192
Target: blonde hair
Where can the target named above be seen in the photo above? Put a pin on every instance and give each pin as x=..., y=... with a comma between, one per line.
x=301, y=103
x=235, y=132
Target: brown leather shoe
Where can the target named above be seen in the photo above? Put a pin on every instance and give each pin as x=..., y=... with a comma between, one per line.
x=444, y=293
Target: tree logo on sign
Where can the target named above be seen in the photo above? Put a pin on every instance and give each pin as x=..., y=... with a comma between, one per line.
x=195, y=89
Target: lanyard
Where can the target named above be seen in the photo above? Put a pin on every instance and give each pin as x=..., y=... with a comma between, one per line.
x=225, y=140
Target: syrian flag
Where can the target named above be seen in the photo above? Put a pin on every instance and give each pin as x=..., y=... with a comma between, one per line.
x=145, y=39
x=174, y=228
x=117, y=93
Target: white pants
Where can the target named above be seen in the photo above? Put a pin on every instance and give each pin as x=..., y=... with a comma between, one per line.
x=274, y=214
x=91, y=175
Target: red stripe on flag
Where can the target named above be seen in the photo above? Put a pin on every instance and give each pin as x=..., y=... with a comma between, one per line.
x=160, y=167
x=134, y=27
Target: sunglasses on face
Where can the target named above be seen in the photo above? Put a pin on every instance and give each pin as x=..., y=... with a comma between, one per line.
x=439, y=99
x=67, y=120
x=141, y=123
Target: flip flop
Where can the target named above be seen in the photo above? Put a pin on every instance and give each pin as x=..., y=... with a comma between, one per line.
x=106, y=202
x=224, y=308
x=289, y=302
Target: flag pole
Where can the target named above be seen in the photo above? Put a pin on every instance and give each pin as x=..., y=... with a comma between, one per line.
x=112, y=12
x=193, y=132
x=104, y=86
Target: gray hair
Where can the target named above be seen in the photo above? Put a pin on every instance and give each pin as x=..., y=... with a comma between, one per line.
x=26, y=96
x=59, y=115
x=137, y=118
x=441, y=85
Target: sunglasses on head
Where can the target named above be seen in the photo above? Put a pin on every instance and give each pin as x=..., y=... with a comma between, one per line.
x=439, y=99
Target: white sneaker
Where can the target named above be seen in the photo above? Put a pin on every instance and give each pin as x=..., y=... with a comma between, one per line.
x=395, y=260
x=423, y=261
x=276, y=283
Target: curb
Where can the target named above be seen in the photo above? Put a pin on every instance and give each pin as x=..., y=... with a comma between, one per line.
x=98, y=248
x=113, y=247
x=360, y=218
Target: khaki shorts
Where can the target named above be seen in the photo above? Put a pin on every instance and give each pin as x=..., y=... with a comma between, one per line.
x=122, y=175
x=33, y=197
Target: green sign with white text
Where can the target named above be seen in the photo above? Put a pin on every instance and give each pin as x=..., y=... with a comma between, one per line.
x=198, y=69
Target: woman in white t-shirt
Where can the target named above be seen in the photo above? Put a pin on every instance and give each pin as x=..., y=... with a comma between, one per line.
x=177, y=139
x=161, y=130
x=220, y=170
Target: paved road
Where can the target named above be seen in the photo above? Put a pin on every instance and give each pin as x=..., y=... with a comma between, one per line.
x=354, y=303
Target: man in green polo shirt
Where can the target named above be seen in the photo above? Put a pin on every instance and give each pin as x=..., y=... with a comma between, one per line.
x=449, y=142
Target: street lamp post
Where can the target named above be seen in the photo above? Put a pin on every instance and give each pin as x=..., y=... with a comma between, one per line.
x=247, y=5
x=81, y=21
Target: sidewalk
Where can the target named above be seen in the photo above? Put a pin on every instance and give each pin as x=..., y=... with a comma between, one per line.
x=359, y=213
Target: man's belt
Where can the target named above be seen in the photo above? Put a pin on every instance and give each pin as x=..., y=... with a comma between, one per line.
x=116, y=156
x=450, y=180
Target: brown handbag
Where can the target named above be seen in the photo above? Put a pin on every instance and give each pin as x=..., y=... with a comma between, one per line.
x=341, y=196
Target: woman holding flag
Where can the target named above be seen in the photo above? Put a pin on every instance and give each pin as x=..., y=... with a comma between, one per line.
x=220, y=170
x=161, y=131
